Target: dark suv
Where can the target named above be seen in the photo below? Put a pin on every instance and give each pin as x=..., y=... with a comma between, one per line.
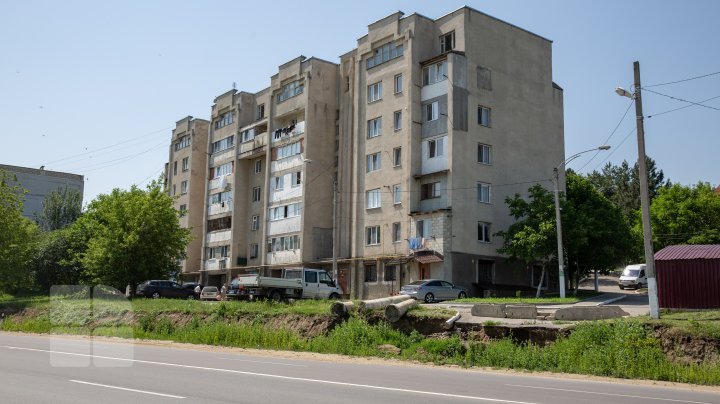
x=158, y=289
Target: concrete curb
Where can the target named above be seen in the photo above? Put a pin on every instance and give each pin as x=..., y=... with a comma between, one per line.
x=613, y=300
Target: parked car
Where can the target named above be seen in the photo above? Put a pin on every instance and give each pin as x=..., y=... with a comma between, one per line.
x=210, y=293
x=433, y=290
x=633, y=276
x=158, y=288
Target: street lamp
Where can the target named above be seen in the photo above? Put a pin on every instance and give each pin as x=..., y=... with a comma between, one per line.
x=561, y=259
x=644, y=198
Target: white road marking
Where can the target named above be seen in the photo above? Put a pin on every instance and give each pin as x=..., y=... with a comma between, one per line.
x=127, y=389
x=301, y=379
x=608, y=394
x=267, y=363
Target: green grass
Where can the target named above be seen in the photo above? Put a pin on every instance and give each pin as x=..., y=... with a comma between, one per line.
x=581, y=295
x=705, y=323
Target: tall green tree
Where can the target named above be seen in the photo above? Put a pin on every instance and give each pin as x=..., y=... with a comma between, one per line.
x=129, y=237
x=685, y=215
x=60, y=209
x=17, y=236
x=532, y=238
x=52, y=262
x=621, y=185
x=596, y=235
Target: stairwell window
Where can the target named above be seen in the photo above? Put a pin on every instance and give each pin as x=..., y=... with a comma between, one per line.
x=254, y=250
x=397, y=157
x=255, y=224
x=374, y=127
x=373, y=198
x=396, y=233
x=483, y=192
x=186, y=163
x=484, y=154
x=397, y=120
x=258, y=166
x=398, y=84
x=256, y=194
x=373, y=162
x=184, y=187
x=483, y=116
x=397, y=194
x=484, y=232
x=374, y=92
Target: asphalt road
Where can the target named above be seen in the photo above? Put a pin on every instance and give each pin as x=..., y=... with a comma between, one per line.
x=44, y=369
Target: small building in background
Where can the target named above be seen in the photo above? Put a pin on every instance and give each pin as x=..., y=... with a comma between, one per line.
x=688, y=276
x=39, y=183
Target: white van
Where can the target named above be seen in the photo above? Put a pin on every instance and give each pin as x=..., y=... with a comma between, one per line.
x=633, y=276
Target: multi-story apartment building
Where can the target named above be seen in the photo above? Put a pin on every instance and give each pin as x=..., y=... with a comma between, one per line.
x=444, y=118
x=426, y=127
x=185, y=180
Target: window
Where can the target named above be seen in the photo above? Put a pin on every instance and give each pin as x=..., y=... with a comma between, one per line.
x=258, y=166
x=183, y=208
x=384, y=53
x=174, y=167
x=261, y=111
x=370, y=273
x=221, y=197
x=435, y=73
x=283, y=212
x=296, y=179
x=182, y=142
x=222, y=170
x=278, y=182
x=483, y=192
x=435, y=147
x=217, y=252
x=247, y=135
x=255, y=223
x=223, y=144
x=373, y=198
x=485, y=271
x=186, y=163
x=225, y=120
x=290, y=90
x=283, y=243
x=484, y=78
x=311, y=277
x=397, y=120
x=423, y=228
x=397, y=194
x=390, y=273
x=254, y=250
x=483, y=116
x=397, y=83
x=184, y=187
x=483, y=232
x=374, y=127
x=256, y=194
x=396, y=232
x=222, y=223
x=173, y=189
x=372, y=235
x=374, y=92
x=431, y=111
x=289, y=150
x=484, y=154
x=373, y=162
x=447, y=42
x=430, y=190
x=397, y=157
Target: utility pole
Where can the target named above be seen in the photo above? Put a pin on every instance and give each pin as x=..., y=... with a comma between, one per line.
x=645, y=199
x=561, y=258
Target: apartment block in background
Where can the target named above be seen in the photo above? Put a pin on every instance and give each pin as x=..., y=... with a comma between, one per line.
x=185, y=180
x=441, y=120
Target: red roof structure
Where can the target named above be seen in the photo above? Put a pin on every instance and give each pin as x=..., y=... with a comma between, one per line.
x=688, y=276
x=689, y=252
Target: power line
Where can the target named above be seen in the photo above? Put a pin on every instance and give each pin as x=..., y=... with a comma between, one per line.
x=611, y=135
x=615, y=148
x=686, y=106
x=683, y=100
x=684, y=80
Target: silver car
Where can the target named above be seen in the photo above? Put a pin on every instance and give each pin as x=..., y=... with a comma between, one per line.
x=433, y=290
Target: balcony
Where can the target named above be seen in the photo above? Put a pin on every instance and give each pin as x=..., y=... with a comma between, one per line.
x=288, y=132
x=289, y=225
x=216, y=236
x=224, y=182
x=287, y=163
x=284, y=257
x=254, y=146
x=218, y=208
x=434, y=90
x=216, y=264
x=222, y=157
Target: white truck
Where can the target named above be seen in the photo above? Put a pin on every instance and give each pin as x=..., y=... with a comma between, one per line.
x=296, y=283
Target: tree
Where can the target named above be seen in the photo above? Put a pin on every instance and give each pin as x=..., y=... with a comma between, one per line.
x=532, y=238
x=52, y=263
x=597, y=236
x=17, y=236
x=60, y=209
x=129, y=237
x=685, y=215
x=621, y=185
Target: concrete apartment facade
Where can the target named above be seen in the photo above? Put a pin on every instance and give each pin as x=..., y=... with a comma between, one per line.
x=39, y=183
x=427, y=126
x=185, y=175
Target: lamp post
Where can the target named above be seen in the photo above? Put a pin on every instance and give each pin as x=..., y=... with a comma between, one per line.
x=561, y=259
x=644, y=198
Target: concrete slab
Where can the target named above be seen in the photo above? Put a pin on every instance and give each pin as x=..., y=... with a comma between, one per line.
x=521, y=311
x=579, y=313
x=488, y=310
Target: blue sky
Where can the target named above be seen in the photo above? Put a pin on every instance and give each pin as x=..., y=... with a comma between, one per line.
x=95, y=87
